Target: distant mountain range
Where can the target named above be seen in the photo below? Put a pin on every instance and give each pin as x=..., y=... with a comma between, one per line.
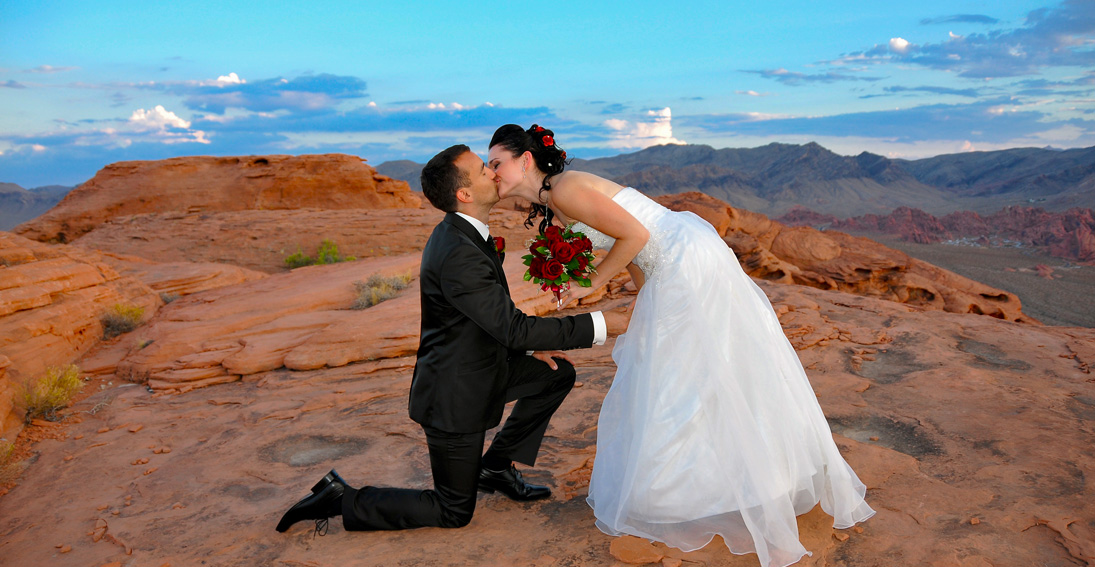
x=776, y=178
x=18, y=205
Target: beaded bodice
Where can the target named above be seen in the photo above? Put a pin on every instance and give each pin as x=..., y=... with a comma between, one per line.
x=648, y=212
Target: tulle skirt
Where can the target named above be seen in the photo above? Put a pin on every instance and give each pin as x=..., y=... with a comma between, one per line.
x=711, y=426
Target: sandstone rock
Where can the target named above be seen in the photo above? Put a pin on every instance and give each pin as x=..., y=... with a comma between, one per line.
x=51, y=302
x=258, y=240
x=833, y=260
x=630, y=549
x=936, y=380
x=176, y=279
x=207, y=184
x=1066, y=235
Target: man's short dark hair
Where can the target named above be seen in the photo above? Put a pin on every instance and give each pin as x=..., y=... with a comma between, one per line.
x=441, y=178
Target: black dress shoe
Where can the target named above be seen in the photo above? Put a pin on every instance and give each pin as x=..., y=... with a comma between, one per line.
x=510, y=483
x=328, y=479
x=319, y=506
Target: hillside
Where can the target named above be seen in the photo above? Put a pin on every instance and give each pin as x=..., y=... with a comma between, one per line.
x=775, y=178
x=18, y=205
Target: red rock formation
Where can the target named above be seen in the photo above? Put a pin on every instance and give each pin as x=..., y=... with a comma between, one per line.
x=833, y=260
x=209, y=184
x=258, y=240
x=51, y=301
x=1065, y=235
x=911, y=396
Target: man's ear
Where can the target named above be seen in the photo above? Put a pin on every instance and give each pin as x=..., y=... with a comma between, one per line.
x=463, y=195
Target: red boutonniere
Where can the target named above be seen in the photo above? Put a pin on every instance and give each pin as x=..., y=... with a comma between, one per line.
x=500, y=245
x=549, y=141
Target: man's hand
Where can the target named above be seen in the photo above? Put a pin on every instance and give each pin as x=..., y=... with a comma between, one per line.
x=617, y=319
x=548, y=356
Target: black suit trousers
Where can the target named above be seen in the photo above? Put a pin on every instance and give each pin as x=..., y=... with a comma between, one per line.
x=455, y=458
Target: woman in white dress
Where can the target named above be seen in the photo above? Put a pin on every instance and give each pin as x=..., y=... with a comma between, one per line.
x=710, y=426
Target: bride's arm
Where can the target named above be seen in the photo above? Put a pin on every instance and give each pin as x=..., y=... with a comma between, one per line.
x=581, y=202
x=637, y=275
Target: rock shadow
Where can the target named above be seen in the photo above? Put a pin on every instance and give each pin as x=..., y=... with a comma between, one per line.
x=908, y=438
x=990, y=356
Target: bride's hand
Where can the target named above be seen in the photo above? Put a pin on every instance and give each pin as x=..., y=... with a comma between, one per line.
x=575, y=293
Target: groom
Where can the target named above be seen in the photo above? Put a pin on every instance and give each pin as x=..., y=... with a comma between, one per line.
x=476, y=353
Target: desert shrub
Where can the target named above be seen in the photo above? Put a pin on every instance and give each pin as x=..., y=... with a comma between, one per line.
x=298, y=259
x=379, y=288
x=43, y=397
x=9, y=467
x=327, y=254
x=122, y=318
x=169, y=296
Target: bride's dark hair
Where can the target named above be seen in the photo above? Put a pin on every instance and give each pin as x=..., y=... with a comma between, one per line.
x=546, y=156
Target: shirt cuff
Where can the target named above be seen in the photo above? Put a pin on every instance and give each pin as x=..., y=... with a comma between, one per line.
x=600, y=329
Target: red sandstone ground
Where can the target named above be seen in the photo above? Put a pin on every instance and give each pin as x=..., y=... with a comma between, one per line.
x=997, y=479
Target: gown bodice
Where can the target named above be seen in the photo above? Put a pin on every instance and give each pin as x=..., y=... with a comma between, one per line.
x=646, y=211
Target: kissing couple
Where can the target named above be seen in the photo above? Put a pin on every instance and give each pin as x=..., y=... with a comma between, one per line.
x=710, y=426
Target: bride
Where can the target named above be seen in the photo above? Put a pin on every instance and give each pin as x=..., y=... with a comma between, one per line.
x=711, y=426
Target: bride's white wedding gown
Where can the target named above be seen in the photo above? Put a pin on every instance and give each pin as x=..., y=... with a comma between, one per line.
x=710, y=426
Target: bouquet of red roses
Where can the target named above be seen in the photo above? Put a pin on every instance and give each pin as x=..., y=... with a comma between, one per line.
x=558, y=257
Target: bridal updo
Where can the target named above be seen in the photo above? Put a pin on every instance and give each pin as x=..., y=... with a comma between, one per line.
x=548, y=157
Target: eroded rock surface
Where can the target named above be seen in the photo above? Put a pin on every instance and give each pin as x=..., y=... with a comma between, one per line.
x=968, y=432
x=51, y=302
x=833, y=260
x=208, y=184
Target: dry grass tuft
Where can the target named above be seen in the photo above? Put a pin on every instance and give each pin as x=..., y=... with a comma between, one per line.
x=42, y=398
x=9, y=467
x=121, y=318
x=379, y=288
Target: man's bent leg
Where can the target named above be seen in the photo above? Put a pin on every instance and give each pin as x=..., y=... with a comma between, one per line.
x=539, y=391
x=454, y=459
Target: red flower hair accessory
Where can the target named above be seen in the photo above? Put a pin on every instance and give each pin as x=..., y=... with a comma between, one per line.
x=549, y=141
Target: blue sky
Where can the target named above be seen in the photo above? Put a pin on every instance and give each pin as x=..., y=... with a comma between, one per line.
x=84, y=84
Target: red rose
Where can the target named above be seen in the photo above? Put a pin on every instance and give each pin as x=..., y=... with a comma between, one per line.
x=536, y=269
x=583, y=262
x=499, y=244
x=538, y=128
x=564, y=155
x=587, y=244
x=562, y=251
x=553, y=232
x=552, y=270
x=549, y=141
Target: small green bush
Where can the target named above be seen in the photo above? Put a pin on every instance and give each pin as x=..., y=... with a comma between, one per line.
x=379, y=288
x=327, y=254
x=169, y=296
x=44, y=397
x=121, y=318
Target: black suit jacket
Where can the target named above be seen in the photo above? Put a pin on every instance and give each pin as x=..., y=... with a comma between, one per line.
x=469, y=328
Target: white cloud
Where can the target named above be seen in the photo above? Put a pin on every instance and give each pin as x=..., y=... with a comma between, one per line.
x=229, y=79
x=159, y=125
x=753, y=93
x=655, y=131
x=899, y=45
x=372, y=104
x=49, y=69
x=158, y=118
